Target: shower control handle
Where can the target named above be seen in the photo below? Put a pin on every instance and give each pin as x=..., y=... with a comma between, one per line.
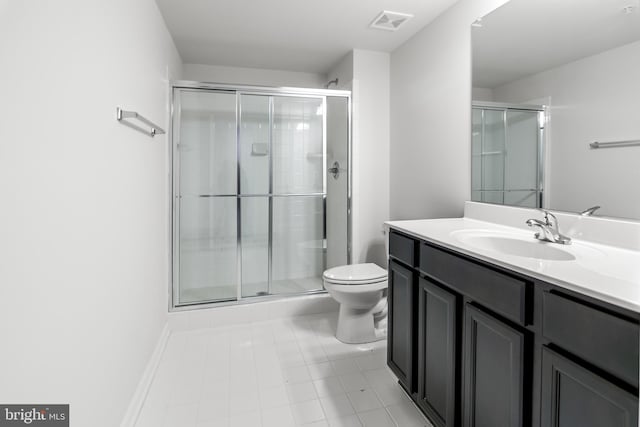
x=335, y=170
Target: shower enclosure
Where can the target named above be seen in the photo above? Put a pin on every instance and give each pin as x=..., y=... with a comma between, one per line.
x=507, y=154
x=259, y=207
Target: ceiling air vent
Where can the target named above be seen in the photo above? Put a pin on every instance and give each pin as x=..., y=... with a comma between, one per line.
x=390, y=21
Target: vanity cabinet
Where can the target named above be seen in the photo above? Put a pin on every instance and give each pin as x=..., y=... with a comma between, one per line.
x=402, y=312
x=589, y=365
x=493, y=308
x=599, y=336
x=438, y=312
x=494, y=371
x=574, y=396
x=477, y=345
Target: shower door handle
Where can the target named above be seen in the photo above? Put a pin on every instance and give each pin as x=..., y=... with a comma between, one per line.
x=324, y=217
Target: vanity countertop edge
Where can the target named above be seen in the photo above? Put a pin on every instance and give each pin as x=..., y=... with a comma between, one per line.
x=616, y=280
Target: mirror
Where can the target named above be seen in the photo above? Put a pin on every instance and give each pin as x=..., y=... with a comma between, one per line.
x=577, y=63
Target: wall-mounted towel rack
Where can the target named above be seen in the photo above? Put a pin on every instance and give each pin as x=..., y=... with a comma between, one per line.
x=612, y=144
x=121, y=115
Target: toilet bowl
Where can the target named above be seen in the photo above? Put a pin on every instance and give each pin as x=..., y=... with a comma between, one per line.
x=360, y=289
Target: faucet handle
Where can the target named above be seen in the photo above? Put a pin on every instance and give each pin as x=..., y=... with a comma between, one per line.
x=548, y=214
x=555, y=229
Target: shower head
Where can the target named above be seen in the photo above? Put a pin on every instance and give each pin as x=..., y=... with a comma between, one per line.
x=334, y=81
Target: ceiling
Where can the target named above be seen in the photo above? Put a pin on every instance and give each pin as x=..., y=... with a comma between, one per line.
x=525, y=37
x=294, y=35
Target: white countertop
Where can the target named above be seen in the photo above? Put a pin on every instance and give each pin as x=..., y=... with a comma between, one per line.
x=608, y=273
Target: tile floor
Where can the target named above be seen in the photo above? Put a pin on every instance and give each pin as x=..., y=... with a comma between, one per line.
x=280, y=373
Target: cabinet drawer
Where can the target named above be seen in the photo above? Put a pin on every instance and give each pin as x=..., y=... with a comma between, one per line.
x=601, y=338
x=402, y=248
x=503, y=294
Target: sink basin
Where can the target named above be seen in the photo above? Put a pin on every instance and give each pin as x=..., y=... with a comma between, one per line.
x=512, y=244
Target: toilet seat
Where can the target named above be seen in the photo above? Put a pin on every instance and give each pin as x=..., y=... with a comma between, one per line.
x=356, y=274
x=359, y=288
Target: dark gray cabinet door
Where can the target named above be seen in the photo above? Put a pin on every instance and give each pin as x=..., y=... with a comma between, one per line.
x=572, y=396
x=437, y=353
x=493, y=371
x=400, y=344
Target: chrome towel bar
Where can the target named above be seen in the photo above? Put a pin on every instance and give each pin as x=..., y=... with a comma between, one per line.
x=612, y=144
x=122, y=115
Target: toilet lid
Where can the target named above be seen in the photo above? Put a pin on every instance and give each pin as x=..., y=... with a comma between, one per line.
x=356, y=274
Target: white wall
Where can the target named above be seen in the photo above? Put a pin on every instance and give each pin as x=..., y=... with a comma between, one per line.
x=252, y=76
x=337, y=189
x=343, y=71
x=592, y=99
x=481, y=94
x=431, y=115
x=84, y=223
x=367, y=74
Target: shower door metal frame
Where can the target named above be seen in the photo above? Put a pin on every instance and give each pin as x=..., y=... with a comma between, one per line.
x=174, y=162
x=542, y=111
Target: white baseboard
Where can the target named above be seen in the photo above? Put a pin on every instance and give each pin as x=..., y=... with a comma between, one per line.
x=137, y=401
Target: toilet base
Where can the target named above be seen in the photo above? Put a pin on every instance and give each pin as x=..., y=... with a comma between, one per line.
x=357, y=326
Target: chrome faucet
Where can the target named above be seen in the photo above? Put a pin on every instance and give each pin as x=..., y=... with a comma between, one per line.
x=548, y=229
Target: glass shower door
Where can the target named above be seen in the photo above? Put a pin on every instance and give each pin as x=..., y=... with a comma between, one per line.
x=282, y=189
x=506, y=161
x=299, y=165
x=254, y=151
x=250, y=192
x=206, y=195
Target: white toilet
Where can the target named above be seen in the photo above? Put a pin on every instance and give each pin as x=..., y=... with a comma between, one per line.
x=360, y=290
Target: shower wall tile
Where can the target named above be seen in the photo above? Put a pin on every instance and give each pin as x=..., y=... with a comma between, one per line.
x=207, y=143
x=254, y=138
x=297, y=143
x=298, y=238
